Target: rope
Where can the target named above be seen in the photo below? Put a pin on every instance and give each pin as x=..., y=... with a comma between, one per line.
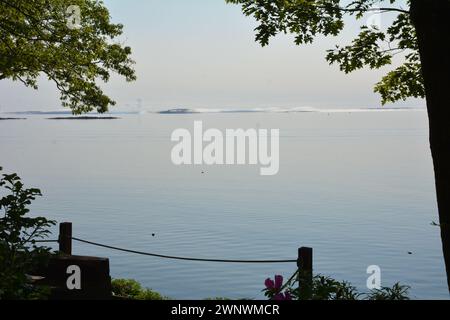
x=180, y=258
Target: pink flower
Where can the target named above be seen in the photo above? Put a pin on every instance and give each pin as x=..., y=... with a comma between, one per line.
x=274, y=289
x=269, y=283
x=278, y=282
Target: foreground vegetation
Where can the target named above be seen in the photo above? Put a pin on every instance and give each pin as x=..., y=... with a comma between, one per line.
x=324, y=288
x=131, y=289
x=19, y=251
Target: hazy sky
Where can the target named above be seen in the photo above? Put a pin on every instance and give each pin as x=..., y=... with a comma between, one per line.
x=201, y=53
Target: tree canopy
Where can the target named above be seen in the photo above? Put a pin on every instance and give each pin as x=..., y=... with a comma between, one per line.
x=373, y=47
x=37, y=37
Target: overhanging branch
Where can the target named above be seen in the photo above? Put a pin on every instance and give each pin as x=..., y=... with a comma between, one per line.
x=349, y=10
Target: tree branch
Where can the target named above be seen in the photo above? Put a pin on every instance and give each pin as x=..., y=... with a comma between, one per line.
x=375, y=9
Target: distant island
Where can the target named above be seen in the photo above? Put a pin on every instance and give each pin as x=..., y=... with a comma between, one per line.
x=178, y=111
x=83, y=118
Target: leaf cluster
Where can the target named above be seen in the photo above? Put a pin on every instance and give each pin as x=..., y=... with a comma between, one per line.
x=372, y=47
x=20, y=252
x=36, y=38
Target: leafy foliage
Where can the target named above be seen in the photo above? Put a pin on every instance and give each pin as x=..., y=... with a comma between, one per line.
x=372, y=48
x=35, y=38
x=397, y=292
x=131, y=289
x=326, y=288
x=19, y=252
x=305, y=19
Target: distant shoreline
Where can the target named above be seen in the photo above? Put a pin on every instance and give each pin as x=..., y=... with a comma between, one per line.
x=83, y=118
x=63, y=115
x=67, y=118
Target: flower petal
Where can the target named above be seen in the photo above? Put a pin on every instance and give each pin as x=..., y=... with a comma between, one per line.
x=278, y=282
x=269, y=283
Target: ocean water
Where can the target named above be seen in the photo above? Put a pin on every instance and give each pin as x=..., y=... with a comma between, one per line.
x=355, y=186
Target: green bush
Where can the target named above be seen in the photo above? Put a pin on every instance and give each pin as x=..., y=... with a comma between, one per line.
x=19, y=253
x=326, y=288
x=131, y=289
x=397, y=292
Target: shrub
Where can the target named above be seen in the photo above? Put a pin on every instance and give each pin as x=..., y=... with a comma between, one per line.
x=131, y=289
x=326, y=288
x=19, y=252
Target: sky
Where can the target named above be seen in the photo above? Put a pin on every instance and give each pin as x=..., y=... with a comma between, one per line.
x=202, y=54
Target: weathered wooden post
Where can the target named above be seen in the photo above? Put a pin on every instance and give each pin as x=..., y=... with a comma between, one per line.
x=65, y=238
x=305, y=272
x=75, y=277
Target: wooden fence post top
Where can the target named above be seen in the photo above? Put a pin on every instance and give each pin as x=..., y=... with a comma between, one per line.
x=305, y=259
x=65, y=238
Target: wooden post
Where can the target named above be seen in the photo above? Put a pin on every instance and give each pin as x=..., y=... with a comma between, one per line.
x=65, y=238
x=305, y=272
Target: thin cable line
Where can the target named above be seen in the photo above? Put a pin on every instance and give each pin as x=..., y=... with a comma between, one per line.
x=180, y=258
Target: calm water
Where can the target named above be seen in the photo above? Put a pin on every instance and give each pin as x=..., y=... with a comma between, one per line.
x=357, y=187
